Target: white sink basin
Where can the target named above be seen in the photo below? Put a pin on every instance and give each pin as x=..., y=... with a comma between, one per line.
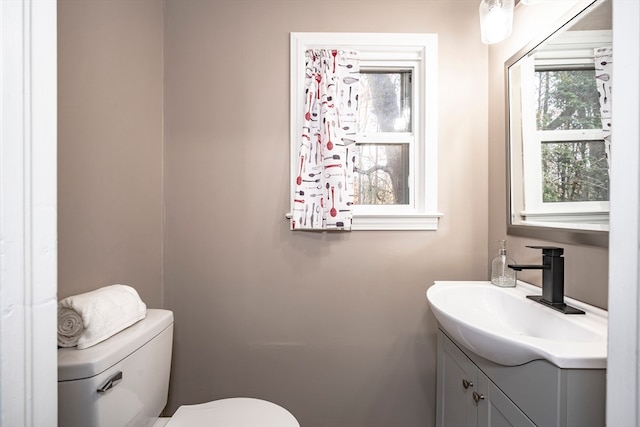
x=502, y=325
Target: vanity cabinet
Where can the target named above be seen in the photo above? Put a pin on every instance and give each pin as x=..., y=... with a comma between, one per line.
x=467, y=397
x=473, y=391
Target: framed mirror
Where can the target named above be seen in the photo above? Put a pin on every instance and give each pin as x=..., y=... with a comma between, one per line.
x=559, y=131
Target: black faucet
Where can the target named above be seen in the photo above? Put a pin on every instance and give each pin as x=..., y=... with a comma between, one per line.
x=552, y=279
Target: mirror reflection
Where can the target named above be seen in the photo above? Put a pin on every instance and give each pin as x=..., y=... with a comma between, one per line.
x=559, y=104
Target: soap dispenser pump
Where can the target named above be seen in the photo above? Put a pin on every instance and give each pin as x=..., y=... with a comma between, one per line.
x=501, y=274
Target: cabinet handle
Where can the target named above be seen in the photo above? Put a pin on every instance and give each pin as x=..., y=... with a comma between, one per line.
x=477, y=397
x=467, y=383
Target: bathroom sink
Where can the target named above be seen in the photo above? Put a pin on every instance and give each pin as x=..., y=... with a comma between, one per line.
x=505, y=327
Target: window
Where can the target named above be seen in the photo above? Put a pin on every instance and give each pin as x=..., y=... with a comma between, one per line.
x=396, y=145
x=385, y=137
x=566, y=172
x=568, y=122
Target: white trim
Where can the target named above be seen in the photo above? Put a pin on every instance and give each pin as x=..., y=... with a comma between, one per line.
x=572, y=48
x=397, y=222
x=623, y=369
x=380, y=49
x=28, y=254
x=601, y=217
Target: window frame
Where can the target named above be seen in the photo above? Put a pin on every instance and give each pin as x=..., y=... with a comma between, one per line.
x=573, y=50
x=384, y=51
x=536, y=208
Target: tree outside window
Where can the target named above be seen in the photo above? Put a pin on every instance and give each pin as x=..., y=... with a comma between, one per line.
x=572, y=170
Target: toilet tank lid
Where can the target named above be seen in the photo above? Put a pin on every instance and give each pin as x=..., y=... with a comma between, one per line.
x=74, y=364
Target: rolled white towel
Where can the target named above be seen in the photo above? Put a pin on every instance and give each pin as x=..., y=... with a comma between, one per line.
x=70, y=327
x=87, y=319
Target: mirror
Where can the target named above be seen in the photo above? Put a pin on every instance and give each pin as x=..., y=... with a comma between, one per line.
x=558, y=131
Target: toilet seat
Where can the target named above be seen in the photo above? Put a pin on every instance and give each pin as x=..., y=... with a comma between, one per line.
x=233, y=412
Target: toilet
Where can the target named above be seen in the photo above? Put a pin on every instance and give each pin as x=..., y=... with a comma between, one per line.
x=124, y=382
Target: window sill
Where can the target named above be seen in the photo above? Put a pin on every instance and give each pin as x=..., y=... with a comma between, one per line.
x=563, y=217
x=427, y=221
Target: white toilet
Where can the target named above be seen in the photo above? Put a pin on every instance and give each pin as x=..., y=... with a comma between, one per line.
x=123, y=382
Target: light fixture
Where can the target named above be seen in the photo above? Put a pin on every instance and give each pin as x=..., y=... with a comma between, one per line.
x=496, y=20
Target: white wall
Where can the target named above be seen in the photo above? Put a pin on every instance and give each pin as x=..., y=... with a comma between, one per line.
x=623, y=372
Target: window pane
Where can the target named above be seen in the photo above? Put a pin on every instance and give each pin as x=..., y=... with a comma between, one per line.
x=381, y=174
x=574, y=171
x=384, y=101
x=567, y=99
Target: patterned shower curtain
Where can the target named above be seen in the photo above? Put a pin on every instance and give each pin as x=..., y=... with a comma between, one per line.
x=603, y=58
x=323, y=198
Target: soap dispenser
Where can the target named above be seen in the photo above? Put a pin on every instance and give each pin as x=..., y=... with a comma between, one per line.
x=501, y=274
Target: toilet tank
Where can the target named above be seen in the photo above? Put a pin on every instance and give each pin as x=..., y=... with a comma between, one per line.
x=122, y=381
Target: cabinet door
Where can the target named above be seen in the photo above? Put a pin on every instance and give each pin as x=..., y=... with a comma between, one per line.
x=495, y=409
x=457, y=377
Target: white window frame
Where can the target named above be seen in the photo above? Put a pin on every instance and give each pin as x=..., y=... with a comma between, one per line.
x=384, y=51
x=574, y=48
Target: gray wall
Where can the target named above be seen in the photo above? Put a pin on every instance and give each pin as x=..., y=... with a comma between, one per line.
x=335, y=327
x=110, y=146
x=586, y=267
